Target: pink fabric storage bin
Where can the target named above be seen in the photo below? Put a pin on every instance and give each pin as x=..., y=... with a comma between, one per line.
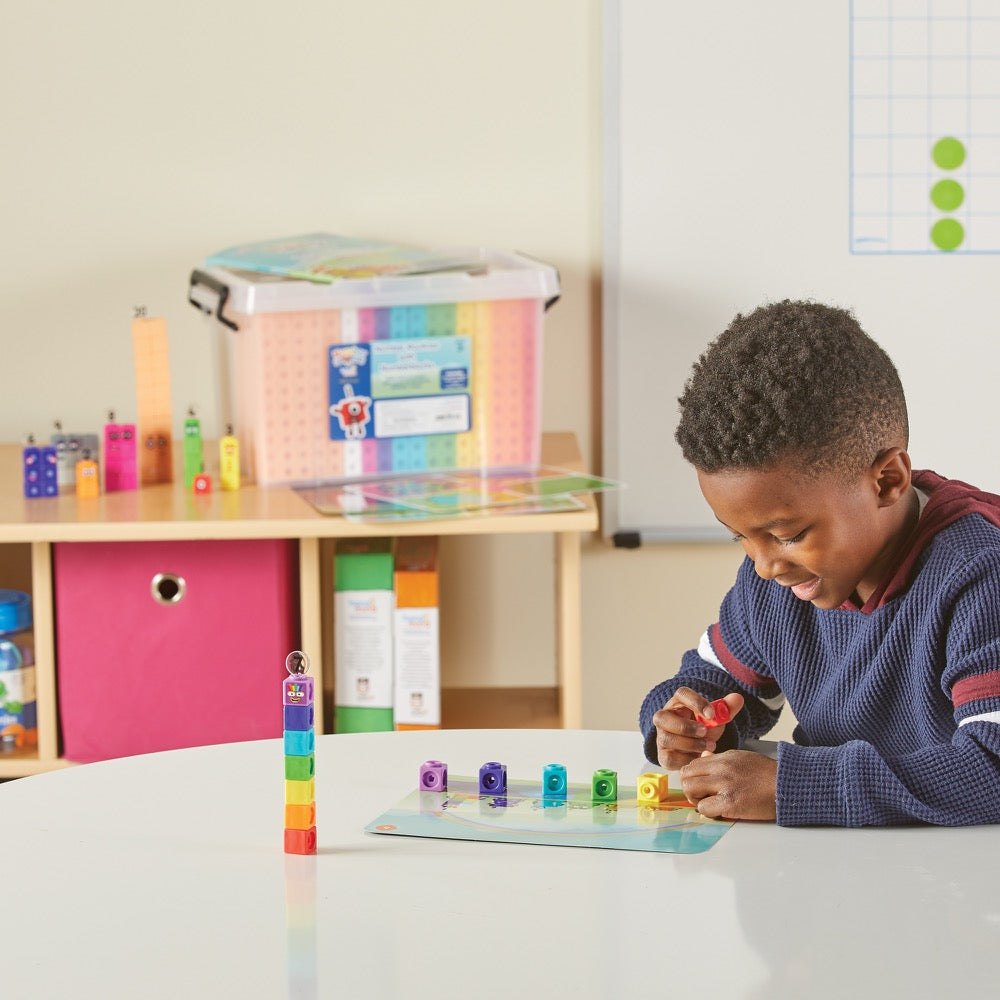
x=162, y=645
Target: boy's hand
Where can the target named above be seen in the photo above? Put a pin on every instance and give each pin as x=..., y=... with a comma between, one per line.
x=680, y=737
x=737, y=784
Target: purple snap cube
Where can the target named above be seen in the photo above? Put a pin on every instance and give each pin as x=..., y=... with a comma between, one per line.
x=492, y=778
x=433, y=776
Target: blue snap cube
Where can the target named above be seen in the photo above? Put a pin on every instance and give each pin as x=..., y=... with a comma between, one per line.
x=554, y=781
x=492, y=778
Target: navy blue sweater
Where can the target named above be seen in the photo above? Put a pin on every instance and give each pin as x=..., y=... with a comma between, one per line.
x=897, y=702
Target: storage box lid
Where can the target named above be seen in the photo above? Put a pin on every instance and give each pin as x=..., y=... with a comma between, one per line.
x=225, y=291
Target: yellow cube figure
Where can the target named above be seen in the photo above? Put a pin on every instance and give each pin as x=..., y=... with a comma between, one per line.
x=652, y=787
x=300, y=793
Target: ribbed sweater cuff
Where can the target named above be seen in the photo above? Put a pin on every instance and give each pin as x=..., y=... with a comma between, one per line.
x=809, y=789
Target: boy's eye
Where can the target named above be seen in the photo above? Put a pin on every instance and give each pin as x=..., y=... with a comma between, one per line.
x=737, y=538
x=792, y=541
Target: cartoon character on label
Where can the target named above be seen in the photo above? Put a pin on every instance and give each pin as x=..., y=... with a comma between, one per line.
x=353, y=413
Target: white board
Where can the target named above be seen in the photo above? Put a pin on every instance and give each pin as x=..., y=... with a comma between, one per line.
x=728, y=183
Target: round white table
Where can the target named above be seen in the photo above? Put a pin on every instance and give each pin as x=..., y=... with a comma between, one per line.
x=164, y=876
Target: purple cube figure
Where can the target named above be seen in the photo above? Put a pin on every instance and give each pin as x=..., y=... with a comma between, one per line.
x=493, y=778
x=297, y=690
x=433, y=776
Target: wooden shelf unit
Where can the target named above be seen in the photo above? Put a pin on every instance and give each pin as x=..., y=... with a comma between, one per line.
x=167, y=512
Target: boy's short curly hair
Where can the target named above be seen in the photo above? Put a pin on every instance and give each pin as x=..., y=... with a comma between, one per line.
x=795, y=379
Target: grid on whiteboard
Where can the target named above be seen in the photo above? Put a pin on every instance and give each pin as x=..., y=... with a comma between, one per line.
x=925, y=126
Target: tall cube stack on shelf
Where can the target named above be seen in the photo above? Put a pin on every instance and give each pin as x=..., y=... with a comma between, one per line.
x=297, y=700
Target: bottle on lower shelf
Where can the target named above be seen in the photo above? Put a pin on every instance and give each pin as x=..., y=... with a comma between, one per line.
x=18, y=711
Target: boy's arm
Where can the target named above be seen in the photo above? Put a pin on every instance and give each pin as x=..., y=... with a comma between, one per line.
x=954, y=782
x=957, y=784
x=711, y=680
x=714, y=671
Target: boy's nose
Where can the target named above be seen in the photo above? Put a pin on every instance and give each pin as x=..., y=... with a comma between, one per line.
x=769, y=563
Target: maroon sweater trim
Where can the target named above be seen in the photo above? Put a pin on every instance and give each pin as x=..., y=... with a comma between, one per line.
x=950, y=499
x=739, y=670
x=975, y=688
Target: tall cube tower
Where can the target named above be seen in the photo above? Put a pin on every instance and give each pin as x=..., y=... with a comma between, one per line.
x=297, y=697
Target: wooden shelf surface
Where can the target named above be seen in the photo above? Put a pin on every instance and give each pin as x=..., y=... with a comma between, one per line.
x=166, y=512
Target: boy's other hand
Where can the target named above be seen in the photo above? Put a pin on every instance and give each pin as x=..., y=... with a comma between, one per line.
x=680, y=737
x=737, y=784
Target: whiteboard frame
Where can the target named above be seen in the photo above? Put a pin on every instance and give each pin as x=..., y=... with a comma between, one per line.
x=622, y=535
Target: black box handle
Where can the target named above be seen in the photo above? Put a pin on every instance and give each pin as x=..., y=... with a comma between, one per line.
x=221, y=290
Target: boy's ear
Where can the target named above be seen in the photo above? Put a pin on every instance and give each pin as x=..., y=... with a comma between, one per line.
x=891, y=471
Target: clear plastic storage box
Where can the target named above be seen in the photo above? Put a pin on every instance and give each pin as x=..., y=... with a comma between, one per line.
x=368, y=377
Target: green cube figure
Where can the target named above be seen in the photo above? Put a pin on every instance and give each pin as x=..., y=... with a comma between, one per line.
x=604, y=787
x=300, y=768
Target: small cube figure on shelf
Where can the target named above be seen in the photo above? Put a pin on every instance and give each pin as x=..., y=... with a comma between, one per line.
x=50, y=471
x=652, y=787
x=554, y=781
x=297, y=691
x=202, y=483
x=193, y=462
x=41, y=472
x=120, y=468
x=722, y=715
x=604, y=786
x=88, y=483
x=433, y=776
x=32, y=461
x=493, y=778
x=229, y=461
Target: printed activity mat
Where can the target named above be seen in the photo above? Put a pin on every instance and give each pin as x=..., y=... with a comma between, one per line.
x=523, y=815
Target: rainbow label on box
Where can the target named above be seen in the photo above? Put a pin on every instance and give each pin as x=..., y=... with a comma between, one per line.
x=400, y=388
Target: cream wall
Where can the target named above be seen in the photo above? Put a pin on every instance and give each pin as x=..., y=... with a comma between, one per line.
x=138, y=137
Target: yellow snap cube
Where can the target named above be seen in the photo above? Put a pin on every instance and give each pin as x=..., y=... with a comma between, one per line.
x=652, y=787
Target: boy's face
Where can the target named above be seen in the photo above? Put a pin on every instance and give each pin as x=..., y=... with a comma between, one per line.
x=826, y=539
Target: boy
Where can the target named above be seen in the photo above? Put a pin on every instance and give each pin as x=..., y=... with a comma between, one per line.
x=869, y=598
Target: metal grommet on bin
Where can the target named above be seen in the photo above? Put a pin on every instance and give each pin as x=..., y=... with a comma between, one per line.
x=167, y=588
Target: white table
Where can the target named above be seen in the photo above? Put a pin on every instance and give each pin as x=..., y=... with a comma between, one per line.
x=164, y=876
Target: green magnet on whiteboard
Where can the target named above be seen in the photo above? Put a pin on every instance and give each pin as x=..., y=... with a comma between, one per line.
x=947, y=195
x=948, y=153
x=947, y=234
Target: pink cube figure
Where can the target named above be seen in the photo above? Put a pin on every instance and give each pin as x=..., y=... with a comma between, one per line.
x=722, y=715
x=297, y=689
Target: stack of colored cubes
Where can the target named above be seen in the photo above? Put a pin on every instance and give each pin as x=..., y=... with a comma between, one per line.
x=297, y=694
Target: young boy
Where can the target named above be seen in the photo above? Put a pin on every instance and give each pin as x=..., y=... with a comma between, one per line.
x=869, y=598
